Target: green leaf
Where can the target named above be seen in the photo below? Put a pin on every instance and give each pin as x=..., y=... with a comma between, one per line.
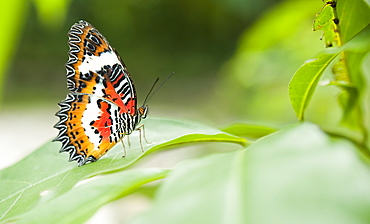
x=305, y=80
x=80, y=203
x=47, y=170
x=248, y=130
x=296, y=175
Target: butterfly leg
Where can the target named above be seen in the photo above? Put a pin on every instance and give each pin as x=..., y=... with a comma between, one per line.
x=141, y=130
x=128, y=141
x=124, y=148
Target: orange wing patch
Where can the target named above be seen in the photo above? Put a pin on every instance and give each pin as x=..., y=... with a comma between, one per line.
x=71, y=132
x=87, y=138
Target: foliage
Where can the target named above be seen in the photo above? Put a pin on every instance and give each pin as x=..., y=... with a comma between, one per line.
x=350, y=45
x=306, y=172
x=25, y=183
x=296, y=175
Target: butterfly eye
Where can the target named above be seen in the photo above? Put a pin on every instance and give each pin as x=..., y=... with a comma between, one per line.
x=143, y=111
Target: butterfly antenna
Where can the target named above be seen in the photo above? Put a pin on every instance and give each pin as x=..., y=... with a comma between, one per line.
x=151, y=89
x=150, y=94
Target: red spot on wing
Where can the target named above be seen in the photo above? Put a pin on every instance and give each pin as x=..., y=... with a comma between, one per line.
x=104, y=122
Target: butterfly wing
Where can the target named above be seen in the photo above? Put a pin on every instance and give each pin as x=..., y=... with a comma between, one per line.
x=94, y=67
x=95, y=115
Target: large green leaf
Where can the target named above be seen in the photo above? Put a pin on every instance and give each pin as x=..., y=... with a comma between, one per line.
x=80, y=203
x=46, y=170
x=296, y=175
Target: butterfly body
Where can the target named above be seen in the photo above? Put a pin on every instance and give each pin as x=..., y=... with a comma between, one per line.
x=101, y=107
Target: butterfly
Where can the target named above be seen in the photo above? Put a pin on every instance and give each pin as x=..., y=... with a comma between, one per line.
x=101, y=107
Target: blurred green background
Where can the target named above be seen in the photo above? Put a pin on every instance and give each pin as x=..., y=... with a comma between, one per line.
x=232, y=59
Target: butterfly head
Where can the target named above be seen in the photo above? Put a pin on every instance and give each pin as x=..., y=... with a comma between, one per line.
x=143, y=111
